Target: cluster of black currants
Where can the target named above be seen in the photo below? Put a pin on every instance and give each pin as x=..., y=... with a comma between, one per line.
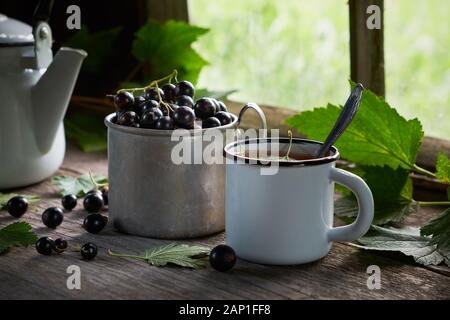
x=52, y=217
x=47, y=246
x=169, y=107
x=94, y=201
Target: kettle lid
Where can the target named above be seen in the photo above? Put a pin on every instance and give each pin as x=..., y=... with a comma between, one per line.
x=14, y=32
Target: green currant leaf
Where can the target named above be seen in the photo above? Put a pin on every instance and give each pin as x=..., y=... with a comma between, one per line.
x=392, y=193
x=88, y=131
x=4, y=198
x=77, y=186
x=406, y=240
x=168, y=46
x=181, y=255
x=98, y=45
x=378, y=135
x=439, y=230
x=443, y=168
x=16, y=234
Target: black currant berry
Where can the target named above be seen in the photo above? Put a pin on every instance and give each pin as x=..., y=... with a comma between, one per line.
x=152, y=94
x=222, y=106
x=170, y=92
x=149, y=118
x=95, y=222
x=147, y=106
x=69, y=202
x=184, y=117
x=60, y=245
x=224, y=117
x=105, y=192
x=129, y=119
x=123, y=101
x=168, y=109
x=91, y=191
x=211, y=122
x=216, y=103
x=164, y=123
x=88, y=251
x=93, y=202
x=185, y=88
x=205, y=108
x=222, y=258
x=52, y=217
x=17, y=206
x=45, y=246
x=184, y=101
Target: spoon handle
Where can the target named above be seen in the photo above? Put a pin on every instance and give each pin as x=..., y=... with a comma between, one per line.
x=344, y=119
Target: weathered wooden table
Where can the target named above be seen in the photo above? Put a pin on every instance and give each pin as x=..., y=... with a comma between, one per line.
x=24, y=274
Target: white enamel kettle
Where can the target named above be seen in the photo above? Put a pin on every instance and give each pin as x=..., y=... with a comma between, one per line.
x=35, y=90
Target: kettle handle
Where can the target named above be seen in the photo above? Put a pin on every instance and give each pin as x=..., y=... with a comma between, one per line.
x=42, y=12
x=43, y=39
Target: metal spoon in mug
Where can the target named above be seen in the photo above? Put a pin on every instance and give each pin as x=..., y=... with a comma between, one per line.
x=344, y=119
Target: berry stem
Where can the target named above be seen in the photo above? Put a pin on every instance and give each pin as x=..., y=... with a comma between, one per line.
x=112, y=254
x=93, y=180
x=433, y=203
x=423, y=171
x=166, y=105
x=152, y=84
x=96, y=185
x=173, y=75
x=290, y=145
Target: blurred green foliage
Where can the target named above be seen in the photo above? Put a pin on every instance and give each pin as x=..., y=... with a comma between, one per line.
x=98, y=45
x=168, y=46
x=295, y=53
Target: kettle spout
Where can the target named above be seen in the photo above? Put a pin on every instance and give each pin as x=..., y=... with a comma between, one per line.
x=51, y=95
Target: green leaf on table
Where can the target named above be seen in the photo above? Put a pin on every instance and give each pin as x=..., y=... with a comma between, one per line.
x=16, y=234
x=98, y=45
x=378, y=135
x=406, y=240
x=181, y=255
x=439, y=230
x=391, y=190
x=168, y=46
x=443, y=168
x=88, y=131
x=77, y=186
x=4, y=198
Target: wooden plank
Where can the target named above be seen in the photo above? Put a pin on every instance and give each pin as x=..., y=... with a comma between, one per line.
x=342, y=274
x=366, y=47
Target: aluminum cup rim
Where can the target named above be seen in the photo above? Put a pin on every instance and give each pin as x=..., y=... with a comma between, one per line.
x=156, y=132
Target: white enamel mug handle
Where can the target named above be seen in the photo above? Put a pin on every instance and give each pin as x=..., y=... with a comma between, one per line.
x=365, y=203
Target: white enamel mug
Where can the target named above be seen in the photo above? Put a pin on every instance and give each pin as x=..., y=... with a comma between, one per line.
x=287, y=217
